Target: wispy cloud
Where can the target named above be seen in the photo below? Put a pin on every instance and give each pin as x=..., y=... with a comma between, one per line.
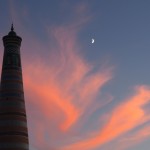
x=63, y=90
x=60, y=88
x=135, y=137
x=69, y=83
x=124, y=118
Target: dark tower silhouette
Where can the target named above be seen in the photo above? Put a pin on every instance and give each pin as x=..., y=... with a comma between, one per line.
x=13, y=123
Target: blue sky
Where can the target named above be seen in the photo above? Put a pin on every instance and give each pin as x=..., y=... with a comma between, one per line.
x=81, y=95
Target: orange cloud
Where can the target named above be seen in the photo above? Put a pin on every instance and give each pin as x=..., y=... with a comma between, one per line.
x=141, y=134
x=66, y=83
x=136, y=137
x=61, y=89
x=125, y=117
x=62, y=86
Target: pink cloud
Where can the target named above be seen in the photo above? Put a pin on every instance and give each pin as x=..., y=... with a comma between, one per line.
x=68, y=81
x=137, y=136
x=60, y=88
x=124, y=118
x=64, y=86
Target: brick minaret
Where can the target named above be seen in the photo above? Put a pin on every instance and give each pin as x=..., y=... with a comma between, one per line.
x=13, y=123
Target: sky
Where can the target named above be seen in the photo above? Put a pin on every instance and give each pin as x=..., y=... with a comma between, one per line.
x=81, y=95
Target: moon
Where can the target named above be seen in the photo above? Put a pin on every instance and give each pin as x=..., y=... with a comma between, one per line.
x=93, y=40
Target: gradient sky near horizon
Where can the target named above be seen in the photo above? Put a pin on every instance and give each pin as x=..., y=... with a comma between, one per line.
x=79, y=95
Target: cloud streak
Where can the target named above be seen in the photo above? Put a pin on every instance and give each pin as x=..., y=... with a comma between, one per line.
x=63, y=90
x=68, y=84
x=124, y=118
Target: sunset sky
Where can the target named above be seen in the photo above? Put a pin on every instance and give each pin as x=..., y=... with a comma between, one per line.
x=79, y=95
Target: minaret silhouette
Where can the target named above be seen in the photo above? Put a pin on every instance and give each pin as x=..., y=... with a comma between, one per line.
x=13, y=122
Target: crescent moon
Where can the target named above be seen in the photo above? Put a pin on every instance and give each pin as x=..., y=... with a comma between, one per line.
x=93, y=41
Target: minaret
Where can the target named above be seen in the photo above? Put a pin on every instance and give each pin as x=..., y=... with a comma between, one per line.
x=13, y=122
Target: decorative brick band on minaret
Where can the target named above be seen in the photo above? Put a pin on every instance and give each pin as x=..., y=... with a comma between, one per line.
x=13, y=122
